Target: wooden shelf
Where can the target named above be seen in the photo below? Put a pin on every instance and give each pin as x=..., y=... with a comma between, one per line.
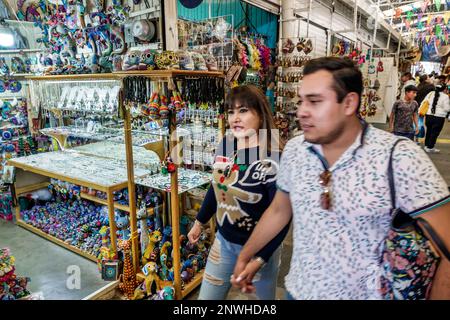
x=104, y=202
x=31, y=188
x=93, y=199
x=53, y=239
x=87, y=76
x=168, y=73
x=122, y=74
x=194, y=283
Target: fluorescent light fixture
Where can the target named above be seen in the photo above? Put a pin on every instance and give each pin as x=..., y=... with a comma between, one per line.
x=6, y=36
x=6, y=40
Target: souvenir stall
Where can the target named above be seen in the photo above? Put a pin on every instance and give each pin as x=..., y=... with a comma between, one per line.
x=294, y=54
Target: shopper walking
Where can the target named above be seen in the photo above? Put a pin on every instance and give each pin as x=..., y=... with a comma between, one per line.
x=404, y=116
x=333, y=181
x=435, y=117
x=407, y=80
x=424, y=88
x=243, y=187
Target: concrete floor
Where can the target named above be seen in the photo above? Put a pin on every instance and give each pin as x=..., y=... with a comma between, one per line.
x=46, y=263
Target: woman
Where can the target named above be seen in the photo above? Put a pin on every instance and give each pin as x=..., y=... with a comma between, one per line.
x=435, y=117
x=243, y=187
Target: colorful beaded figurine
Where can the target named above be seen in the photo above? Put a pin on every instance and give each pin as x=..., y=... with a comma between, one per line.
x=128, y=282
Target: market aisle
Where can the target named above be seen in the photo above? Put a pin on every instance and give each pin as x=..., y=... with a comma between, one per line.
x=46, y=264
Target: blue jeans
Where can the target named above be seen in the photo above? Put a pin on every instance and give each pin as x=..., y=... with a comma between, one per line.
x=406, y=135
x=220, y=266
x=288, y=296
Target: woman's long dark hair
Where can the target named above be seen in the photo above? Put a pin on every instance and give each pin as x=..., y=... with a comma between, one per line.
x=253, y=98
x=437, y=94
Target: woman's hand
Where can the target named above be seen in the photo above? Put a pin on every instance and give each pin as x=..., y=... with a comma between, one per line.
x=195, y=233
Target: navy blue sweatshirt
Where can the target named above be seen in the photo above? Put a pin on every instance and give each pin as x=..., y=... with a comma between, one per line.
x=242, y=189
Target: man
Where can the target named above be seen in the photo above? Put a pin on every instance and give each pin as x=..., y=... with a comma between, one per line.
x=404, y=116
x=333, y=182
x=407, y=80
x=424, y=88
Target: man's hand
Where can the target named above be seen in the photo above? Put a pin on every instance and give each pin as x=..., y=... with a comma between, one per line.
x=244, y=272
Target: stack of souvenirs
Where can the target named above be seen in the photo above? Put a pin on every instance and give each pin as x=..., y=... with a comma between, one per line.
x=12, y=287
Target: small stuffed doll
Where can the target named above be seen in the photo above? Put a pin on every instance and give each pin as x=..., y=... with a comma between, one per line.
x=131, y=60
x=163, y=108
x=154, y=105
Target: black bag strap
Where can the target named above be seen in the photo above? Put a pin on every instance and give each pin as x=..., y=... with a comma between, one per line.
x=423, y=223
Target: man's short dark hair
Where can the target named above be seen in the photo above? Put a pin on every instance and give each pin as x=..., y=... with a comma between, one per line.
x=408, y=74
x=347, y=77
x=411, y=87
x=423, y=78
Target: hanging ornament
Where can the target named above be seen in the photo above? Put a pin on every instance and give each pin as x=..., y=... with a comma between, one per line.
x=420, y=25
x=437, y=3
x=407, y=24
x=398, y=13
x=446, y=17
x=409, y=15
x=425, y=6
x=438, y=30
x=427, y=39
x=429, y=20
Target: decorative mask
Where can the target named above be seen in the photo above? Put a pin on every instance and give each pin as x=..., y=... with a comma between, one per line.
x=199, y=62
x=148, y=59
x=211, y=62
x=167, y=60
x=131, y=60
x=186, y=61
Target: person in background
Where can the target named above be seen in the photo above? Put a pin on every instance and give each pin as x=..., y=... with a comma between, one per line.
x=417, y=77
x=243, y=186
x=270, y=94
x=404, y=116
x=333, y=182
x=435, y=118
x=407, y=80
x=424, y=88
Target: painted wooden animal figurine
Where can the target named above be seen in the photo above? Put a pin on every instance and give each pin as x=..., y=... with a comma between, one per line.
x=152, y=281
x=153, y=238
x=164, y=270
x=128, y=282
x=142, y=218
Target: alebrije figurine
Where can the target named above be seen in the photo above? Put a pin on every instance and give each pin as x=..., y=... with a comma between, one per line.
x=147, y=61
x=131, y=60
x=167, y=293
x=142, y=218
x=167, y=233
x=153, y=238
x=154, y=105
x=4, y=69
x=128, y=282
x=163, y=108
x=184, y=224
x=163, y=273
x=122, y=223
x=152, y=281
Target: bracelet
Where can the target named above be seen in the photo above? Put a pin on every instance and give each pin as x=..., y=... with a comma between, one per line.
x=198, y=223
